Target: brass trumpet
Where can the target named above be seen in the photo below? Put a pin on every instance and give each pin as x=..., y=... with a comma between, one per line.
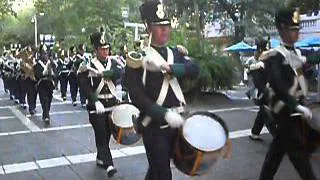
x=27, y=64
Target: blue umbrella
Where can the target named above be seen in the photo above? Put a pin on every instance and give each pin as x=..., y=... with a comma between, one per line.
x=308, y=42
x=240, y=47
x=315, y=41
x=274, y=43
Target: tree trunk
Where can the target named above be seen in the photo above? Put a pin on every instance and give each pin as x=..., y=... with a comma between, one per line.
x=239, y=33
x=197, y=22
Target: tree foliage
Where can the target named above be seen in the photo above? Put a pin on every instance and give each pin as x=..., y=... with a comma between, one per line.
x=216, y=69
x=17, y=29
x=71, y=21
x=305, y=6
x=247, y=16
x=6, y=8
x=74, y=20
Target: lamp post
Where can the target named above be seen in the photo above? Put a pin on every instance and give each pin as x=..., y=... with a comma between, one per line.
x=35, y=21
x=136, y=26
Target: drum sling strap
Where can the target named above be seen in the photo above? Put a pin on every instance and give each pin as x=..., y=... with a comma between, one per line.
x=168, y=80
x=295, y=61
x=108, y=82
x=44, y=68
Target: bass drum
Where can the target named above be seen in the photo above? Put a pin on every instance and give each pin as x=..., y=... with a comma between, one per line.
x=201, y=142
x=124, y=118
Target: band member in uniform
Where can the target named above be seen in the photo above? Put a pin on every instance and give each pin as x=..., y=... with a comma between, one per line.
x=259, y=78
x=11, y=67
x=72, y=78
x=98, y=79
x=64, y=66
x=4, y=73
x=28, y=79
x=160, y=108
x=56, y=51
x=80, y=58
x=283, y=66
x=19, y=92
x=44, y=75
x=16, y=75
x=74, y=85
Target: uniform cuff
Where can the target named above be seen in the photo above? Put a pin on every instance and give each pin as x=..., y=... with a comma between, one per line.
x=108, y=74
x=93, y=97
x=178, y=70
x=156, y=112
x=292, y=103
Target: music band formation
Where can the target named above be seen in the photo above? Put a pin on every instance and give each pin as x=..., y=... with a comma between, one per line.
x=154, y=108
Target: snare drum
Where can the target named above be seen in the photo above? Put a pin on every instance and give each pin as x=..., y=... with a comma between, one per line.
x=123, y=118
x=200, y=144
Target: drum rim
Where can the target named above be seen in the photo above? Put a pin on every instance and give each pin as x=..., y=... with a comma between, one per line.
x=214, y=116
x=124, y=103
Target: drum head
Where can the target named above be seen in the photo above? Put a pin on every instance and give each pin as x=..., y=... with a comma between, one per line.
x=124, y=114
x=205, y=131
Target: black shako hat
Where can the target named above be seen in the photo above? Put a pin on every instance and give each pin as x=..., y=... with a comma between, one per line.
x=288, y=18
x=153, y=12
x=98, y=39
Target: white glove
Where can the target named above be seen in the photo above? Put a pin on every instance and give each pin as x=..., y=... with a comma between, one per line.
x=174, y=119
x=257, y=65
x=305, y=111
x=99, y=107
x=154, y=65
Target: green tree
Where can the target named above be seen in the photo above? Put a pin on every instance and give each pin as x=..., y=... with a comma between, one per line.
x=18, y=29
x=248, y=16
x=305, y=6
x=6, y=8
x=68, y=19
x=216, y=69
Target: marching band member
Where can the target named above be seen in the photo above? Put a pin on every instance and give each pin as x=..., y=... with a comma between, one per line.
x=28, y=79
x=10, y=68
x=4, y=74
x=44, y=75
x=56, y=53
x=72, y=78
x=79, y=58
x=256, y=71
x=98, y=79
x=283, y=66
x=64, y=66
x=155, y=90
